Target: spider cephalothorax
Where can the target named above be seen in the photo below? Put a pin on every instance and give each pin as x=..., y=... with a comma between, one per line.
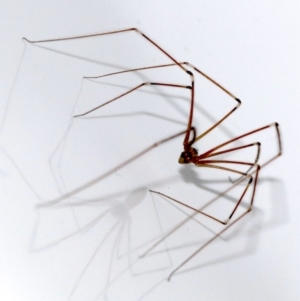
x=187, y=156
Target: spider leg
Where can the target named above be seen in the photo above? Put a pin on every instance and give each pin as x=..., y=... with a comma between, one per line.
x=189, y=126
x=207, y=163
x=130, y=91
x=191, y=216
x=206, y=244
x=198, y=71
x=214, y=152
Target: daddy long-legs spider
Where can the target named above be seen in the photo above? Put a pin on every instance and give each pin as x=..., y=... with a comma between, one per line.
x=243, y=169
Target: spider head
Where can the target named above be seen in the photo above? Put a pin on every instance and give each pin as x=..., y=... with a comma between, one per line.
x=187, y=156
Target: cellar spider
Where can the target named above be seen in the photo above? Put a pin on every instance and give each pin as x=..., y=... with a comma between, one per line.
x=189, y=154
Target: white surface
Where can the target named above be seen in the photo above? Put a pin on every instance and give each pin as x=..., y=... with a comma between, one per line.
x=252, y=49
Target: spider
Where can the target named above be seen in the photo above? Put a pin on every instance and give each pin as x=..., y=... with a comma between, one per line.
x=189, y=154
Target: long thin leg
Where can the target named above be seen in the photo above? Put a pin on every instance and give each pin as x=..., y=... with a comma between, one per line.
x=130, y=91
x=212, y=153
x=168, y=65
x=258, y=144
x=189, y=126
x=108, y=33
x=187, y=136
x=217, y=235
x=205, y=164
x=198, y=71
x=206, y=244
x=212, y=164
x=244, y=176
x=191, y=216
x=212, y=239
x=132, y=70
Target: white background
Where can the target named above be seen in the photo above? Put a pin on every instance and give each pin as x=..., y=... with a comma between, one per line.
x=250, y=47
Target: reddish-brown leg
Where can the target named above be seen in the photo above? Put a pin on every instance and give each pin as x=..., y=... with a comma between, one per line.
x=208, y=163
x=198, y=71
x=130, y=91
x=189, y=126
